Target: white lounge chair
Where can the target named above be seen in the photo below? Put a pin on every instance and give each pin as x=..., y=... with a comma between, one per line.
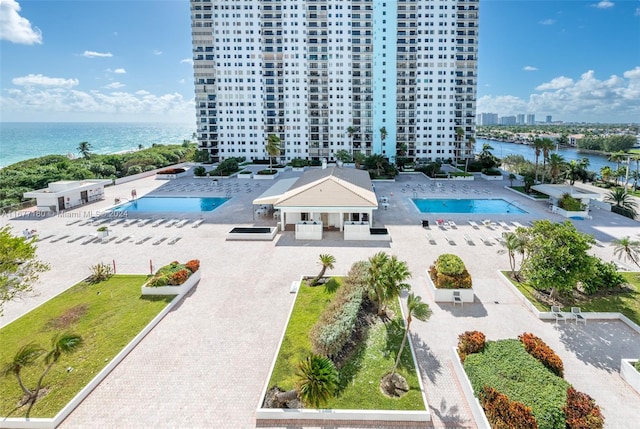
x=449, y=240
x=144, y=222
x=452, y=224
x=485, y=240
x=468, y=240
x=182, y=223
x=131, y=222
x=174, y=240
x=171, y=222
x=158, y=222
x=431, y=239
x=74, y=239
x=123, y=239
x=503, y=224
x=517, y=224
x=558, y=314
x=159, y=240
x=143, y=239
x=474, y=224
x=197, y=223
x=577, y=315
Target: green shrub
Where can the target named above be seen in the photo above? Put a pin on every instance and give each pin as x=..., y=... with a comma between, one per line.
x=507, y=367
x=267, y=172
x=199, y=171
x=226, y=167
x=449, y=272
x=335, y=325
x=470, y=342
x=299, y=162
x=102, y=229
x=173, y=274
x=600, y=276
x=570, y=204
x=581, y=411
x=100, y=272
x=503, y=413
x=491, y=172
x=636, y=365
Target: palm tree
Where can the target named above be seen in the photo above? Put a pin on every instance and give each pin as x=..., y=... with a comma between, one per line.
x=415, y=308
x=537, y=147
x=617, y=157
x=512, y=177
x=556, y=163
x=326, y=261
x=621, y=198
x=383, y=133
x=546, y=145
x=459, y=137
x=606, y=172
x=627, y=248
x=273, y=147
x=317, y=380
x=573, y=172
x=386, y=278
x=512, y=244
x=25, y=357
x=316, y=384
x=84, y=149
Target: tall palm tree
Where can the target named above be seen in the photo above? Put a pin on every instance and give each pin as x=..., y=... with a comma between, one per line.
x=415, y=308
x=606, y=172
x=537, y=147
x=628, y=249
x=459, y=137
x=621, y=198
x=84, y=149
x=512, y=244
x=556, y=163
x=351, y=130
x=387, y=277
x=546, y=145
x=26, y=356
x=317, y=381
x=273, y=147
x=326, y=261
x=383, y=133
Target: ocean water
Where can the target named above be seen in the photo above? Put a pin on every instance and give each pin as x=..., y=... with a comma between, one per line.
x=23, y=140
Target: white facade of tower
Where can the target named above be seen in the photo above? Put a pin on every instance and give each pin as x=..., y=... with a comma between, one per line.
x=309, y=70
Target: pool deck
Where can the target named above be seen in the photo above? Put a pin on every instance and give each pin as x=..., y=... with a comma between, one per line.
x=206, y=363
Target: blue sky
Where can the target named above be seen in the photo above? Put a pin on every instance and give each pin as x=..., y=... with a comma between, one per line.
x=130, y=60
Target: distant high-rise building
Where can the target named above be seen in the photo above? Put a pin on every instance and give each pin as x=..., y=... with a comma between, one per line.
x=548, y=119
x=520, y=119
x=508, y=120
x=531, y=119
x=308, y=71
x=487, y=119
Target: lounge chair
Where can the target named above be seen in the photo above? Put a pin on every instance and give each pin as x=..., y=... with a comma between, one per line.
x=142, y=240
x=74, y=239
x=182, y=223
x=117, y=221
x=159, y=240
x=144, y=222
x=468, y=240
x=489, y=223
x=131, y=222
x=73, y=222
x=577, y=315
x=174, y=240
x=158, y=222
x=197, y=223
x=171, y=222
x=517, y=224
x=55, y=240
x=123, y=239
x=474, y=224
x=503, y=224
x=431, y=239
x=485, y=240
x=89, y=239
x=558, y=314
x=452, y=224
x=457, y=299
x=449, y=240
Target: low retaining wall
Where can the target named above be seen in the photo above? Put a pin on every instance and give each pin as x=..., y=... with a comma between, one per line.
x=467, y=390
x=630, y=374
x=547, y=315
x=446, y=295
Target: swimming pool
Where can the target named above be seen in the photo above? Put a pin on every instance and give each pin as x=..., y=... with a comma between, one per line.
x=498, y=206
x=172, y=204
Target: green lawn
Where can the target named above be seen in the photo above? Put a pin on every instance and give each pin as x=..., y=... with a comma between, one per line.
x=360, y=376
x=627, y=303
x=107, y=315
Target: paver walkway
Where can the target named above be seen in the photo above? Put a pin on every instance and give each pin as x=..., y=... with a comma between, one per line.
x=206, y=363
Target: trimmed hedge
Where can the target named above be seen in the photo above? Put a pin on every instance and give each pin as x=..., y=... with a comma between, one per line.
x=449, y=272
x=581, y=411
x=470, y=342
x=174, y=274
x=335, y=325
x=506, y=366
x=541, y=351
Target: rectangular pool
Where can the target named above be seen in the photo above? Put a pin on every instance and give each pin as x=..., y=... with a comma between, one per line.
x=493, y=206
x=172, y=204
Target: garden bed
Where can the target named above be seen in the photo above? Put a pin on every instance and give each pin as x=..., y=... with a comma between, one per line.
x=110, y=317
x=358, y=397
x=252, y=233
x=173, y=279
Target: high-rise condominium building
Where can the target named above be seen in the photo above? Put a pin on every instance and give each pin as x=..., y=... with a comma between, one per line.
x=396, y=78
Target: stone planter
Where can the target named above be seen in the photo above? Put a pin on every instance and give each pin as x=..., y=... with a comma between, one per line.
x=266, y=176
x=298, y=169
x=171, y=176
x=630, y=374
x=564, y=213
x=245, y=176
x=446, y=295
x=486, y=177
x=173, y=290
x=102, y=234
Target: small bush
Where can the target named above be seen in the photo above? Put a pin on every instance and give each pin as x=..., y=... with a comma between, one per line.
x=637, y=365
x=570, y=204
x=602, y=275
x=449, y=272
x=102, y=229
x=179, y=277
x=581, y=411
x=193, y=265
x=266, y=172
x=161, y=280
x=171, y=171
x=100, y=272
x=503, y=413
x=199, y=171
x=470, y=342
x=541, y=351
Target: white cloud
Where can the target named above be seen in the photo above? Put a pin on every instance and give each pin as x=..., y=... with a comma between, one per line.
x=556, y=83
x=604, y=4
x=93, y=54
x=547, y=22
x=41, y=80
x=115, y=85
x=157, y=52
x=186, y=61
x=589, y=99
x=67, y=103
x=120, y=71
x=16, y=28
x=529, y=68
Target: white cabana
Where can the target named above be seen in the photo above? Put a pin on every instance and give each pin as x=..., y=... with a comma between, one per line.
x=67, y=194
x=557, y=191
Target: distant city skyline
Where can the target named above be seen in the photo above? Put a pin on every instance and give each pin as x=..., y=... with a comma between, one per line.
x=126, y=61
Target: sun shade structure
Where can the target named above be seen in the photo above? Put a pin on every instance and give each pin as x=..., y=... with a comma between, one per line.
x=557, y=191
x=326, y=198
